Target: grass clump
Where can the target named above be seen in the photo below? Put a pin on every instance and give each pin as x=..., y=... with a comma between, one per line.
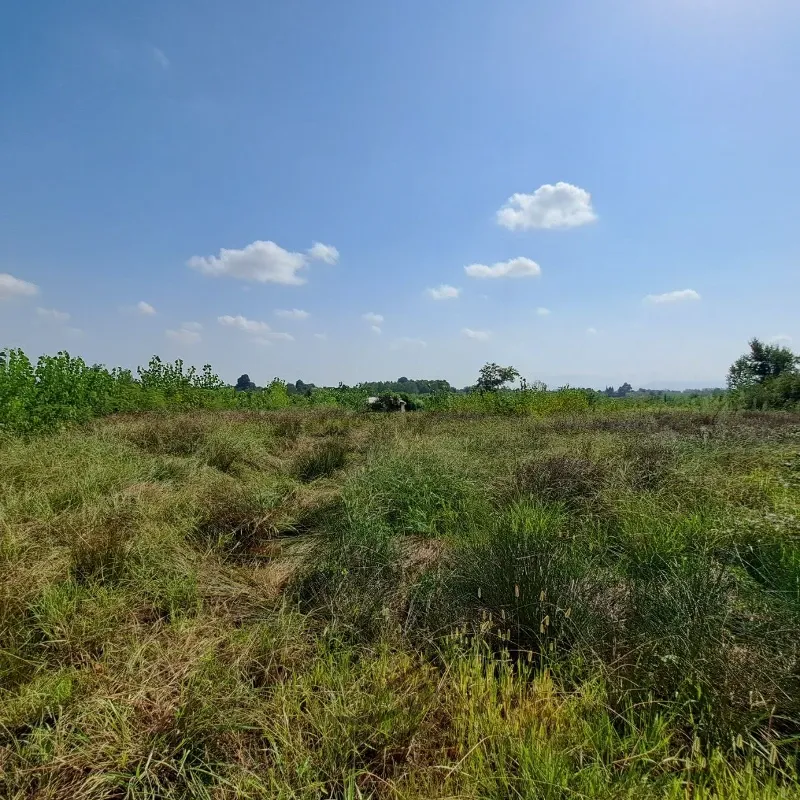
x=325, y=604
x=321, y=461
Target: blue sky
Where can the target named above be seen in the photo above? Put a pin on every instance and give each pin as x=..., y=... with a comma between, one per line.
x=629, y=166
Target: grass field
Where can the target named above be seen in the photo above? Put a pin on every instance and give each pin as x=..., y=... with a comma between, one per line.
x=320, y=604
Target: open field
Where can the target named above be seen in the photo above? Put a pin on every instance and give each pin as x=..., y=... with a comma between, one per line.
x=319, y=603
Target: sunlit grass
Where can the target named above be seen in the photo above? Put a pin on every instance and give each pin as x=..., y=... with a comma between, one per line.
x=321, y=604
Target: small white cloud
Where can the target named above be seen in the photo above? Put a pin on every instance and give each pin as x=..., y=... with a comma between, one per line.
x=408, y=341
x=261, y=340
x=183, y=335
x=591, y=331
x=542, y=312
x=145, y=309
x=323, y=252
x=514, y=268
x=371, y=316
x=52, y=314
x=480, y=336
x=672, y=297
x=781, y=338
x=160, y=57
x=443, y=292
x=192, y=326
x=293, y=313
x=262, y=262
x=283, y=337
x=559, y=206
x=376, y=329
x=321, y=336
x=243, y=324
x=76, y=332
x=15, y=287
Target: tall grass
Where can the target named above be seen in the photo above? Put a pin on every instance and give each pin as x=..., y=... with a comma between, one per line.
x=317, y=604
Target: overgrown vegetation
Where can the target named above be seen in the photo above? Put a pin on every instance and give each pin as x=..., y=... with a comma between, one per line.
x=318, y=603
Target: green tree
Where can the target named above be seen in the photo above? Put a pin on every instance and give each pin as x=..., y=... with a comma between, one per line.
x=762, y=363
x=244, y=384
x=493, y=377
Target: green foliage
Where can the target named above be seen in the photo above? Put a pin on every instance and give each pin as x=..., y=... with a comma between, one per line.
x=493, y=377
x=762, y=363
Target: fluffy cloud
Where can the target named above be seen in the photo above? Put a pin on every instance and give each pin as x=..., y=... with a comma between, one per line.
x=514, y=268
x=15, y=287
x=145, y=309
x=293, y=313
x=591, y=331
x=480, y=336
x=262, y=262
x=263, y=333
x=559, y=206
x=542, y=312
x=443, y=292
x=323, y=252
x=53, y=315
x=372, y=317
x=243, y=324
x=672, y=297
x=781, y=338
x=321, y=336
x=188, y=333
x=376, y=329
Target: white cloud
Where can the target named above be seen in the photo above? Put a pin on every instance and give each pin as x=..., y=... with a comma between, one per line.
x=559, y=206
x=591, y=331
x=372, y=317
x=184, y=334
x=513, y=268
x=408, y=341
x=284, y=337
x=293, y=313
x=443, y=292
x=145, y=309
x=160, y=57
x=376, y=329
x=262, y=262
x=243, y=324
x=542, y=312
x=481, y=336
x=781, y=338
x=15, y=287
x=53, y=314
x=323, y=252
x=321, y=336
x=672, y=297
x=192, y=326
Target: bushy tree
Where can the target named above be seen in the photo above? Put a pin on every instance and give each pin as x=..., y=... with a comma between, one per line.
x=762, y=363
x=493, y=377
x=244, y=384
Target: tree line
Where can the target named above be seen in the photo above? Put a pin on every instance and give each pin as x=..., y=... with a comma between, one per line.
x=64, y=389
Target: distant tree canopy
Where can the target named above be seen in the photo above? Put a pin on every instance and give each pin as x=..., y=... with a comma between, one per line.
x=406, y=386
x=244, y=384
x=763, y=362
x=623, y=390
x=493, y=377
